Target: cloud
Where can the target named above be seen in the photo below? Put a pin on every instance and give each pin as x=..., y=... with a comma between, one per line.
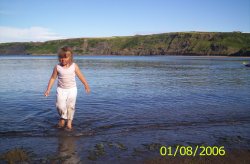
x=12, y=34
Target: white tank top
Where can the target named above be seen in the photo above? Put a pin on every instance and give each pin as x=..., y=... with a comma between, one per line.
x=66, y=76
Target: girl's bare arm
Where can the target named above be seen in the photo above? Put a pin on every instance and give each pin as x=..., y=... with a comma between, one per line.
x=51, y=82
x=82, y=78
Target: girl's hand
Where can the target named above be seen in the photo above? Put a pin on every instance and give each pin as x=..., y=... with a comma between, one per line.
x=46, y=93
x=87, y=89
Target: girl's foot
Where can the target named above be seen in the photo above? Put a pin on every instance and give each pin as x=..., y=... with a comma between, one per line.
x=69, y=124
x=61, y=123
x=68, y=129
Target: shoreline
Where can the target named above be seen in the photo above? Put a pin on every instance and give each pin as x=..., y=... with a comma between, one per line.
x=109, y=55
x=67, y=154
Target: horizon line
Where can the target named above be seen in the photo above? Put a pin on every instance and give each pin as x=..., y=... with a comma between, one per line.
x=96, y=37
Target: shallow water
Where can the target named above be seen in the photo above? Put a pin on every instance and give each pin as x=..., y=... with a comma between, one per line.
x=134, y=100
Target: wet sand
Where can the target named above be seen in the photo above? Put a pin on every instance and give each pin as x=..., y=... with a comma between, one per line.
x=69, y=150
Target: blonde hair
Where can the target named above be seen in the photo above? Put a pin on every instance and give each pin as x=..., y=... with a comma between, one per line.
x=65, y=52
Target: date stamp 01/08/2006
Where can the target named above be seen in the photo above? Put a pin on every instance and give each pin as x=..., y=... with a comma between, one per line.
x=192, y=151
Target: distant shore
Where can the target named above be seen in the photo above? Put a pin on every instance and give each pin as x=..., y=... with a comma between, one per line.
x=205, y=56
x=178, y=43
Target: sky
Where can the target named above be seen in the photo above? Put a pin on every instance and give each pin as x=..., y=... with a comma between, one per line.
x=42, y=20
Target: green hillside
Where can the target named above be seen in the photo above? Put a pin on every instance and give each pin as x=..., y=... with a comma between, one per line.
x=179, y=43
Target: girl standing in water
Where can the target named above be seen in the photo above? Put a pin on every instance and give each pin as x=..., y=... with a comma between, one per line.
x=66, y=89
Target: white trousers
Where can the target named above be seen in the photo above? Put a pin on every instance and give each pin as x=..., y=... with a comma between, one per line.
x=65, y=102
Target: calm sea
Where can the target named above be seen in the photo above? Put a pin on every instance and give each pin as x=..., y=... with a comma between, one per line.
x=133, y=100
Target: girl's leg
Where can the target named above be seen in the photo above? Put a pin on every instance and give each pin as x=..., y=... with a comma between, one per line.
x=61, y=106
x=71, y=101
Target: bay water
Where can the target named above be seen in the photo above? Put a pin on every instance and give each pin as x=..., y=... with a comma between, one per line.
x=134, y=100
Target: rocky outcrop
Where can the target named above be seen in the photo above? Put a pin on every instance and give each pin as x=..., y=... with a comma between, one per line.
x=15, y=48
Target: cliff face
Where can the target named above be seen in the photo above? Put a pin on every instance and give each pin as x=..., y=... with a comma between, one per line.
x=188, y=43
x=16, y=48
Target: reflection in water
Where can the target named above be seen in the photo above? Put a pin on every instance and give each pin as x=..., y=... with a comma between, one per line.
x=67, y=150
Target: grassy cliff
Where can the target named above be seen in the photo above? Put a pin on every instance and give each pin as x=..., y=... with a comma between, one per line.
x=179, y=43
